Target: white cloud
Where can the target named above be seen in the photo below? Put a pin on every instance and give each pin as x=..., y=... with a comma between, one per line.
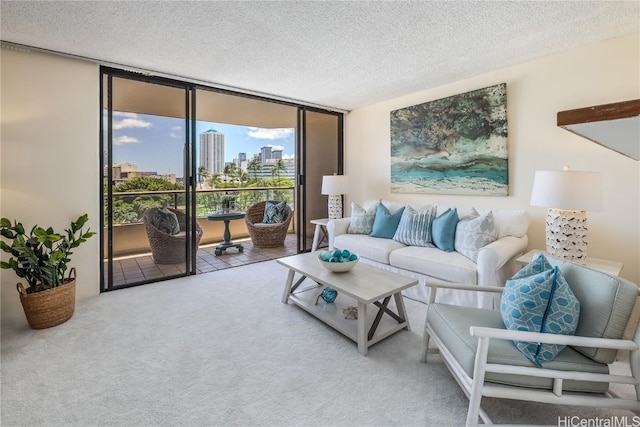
x=288, y=156
x=175, y=132
x=124, y=139
x=260, y=133
x=130, y=120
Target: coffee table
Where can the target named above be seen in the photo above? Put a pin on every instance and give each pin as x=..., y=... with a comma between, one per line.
x=363, y=285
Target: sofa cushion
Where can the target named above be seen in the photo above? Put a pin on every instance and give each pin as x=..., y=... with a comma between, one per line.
x=361, y=219
x=415, y=227
x=449, y=266
x=606, y=304
x=451, y=324
x=385, y=223
x=443, y=230
x=473, y=234
x=539, y=302
x=373, y=248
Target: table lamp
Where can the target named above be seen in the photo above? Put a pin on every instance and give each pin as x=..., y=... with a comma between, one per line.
x=335, y=186
x=568, y=195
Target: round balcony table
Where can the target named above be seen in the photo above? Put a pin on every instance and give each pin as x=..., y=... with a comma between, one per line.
x=227, y=217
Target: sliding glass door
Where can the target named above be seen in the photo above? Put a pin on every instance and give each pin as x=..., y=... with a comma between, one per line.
x=146, y=182
x=175, y=154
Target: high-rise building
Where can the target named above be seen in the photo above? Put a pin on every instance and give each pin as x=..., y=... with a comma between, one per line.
x=212, y=151
x=276, y=154
x=265, y=153
x=242, y=157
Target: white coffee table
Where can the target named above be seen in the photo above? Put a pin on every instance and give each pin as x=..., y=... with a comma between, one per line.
x=363, y=285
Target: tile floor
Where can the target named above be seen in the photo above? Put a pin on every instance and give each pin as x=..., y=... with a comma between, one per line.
x=139, y=268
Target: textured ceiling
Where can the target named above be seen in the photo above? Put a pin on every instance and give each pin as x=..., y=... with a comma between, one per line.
x=342, y=54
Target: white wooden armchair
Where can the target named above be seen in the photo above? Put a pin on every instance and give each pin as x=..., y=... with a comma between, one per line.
x=481, y=356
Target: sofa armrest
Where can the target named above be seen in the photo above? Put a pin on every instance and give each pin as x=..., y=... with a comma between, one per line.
x=336, y=227
x=434, y=286
x=494, y=259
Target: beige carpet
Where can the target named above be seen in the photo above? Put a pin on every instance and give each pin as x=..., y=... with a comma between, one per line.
x=220, y=349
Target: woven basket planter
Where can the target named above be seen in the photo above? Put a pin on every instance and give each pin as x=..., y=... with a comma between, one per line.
x=51, y=307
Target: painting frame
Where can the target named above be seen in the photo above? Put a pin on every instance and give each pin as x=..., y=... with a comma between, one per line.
x=454, y=145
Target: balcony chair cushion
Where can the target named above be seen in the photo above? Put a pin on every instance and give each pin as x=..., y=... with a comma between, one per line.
x=386, y=223
x=274, y=213
x=539, y=302
x=443, y=230
x=474, y=233
x=451, y=324
x=166, y=221
x=361, y=219
x=415, y=227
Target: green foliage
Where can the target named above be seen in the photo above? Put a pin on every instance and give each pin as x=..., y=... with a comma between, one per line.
x=146, y=183
x=129, y=209
x=41, y=256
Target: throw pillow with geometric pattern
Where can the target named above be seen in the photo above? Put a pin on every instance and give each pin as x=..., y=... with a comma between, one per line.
x=166, y=221
x=274, y=213
x=541, y=302
x=361, y=219
x=474, y=233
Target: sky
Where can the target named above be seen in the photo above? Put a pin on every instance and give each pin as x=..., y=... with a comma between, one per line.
x=155, y=143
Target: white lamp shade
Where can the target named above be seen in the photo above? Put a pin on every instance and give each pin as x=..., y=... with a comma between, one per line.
x=334, y=184
x=572, y=190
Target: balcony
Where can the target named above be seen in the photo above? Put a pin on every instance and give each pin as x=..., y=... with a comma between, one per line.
x=132, y=260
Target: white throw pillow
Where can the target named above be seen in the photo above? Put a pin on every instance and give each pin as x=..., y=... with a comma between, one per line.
x=361, y=219
x=474, y=233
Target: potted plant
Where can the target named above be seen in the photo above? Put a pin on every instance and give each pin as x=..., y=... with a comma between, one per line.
x=41, y=258
x=228, y=202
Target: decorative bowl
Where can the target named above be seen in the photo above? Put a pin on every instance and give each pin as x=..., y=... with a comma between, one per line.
x=345, y=264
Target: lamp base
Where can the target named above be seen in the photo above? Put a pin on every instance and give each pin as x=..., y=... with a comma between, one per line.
x=335, y=206
x=567, y=234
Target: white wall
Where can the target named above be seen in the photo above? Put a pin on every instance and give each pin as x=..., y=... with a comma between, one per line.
x=50, y=157
x=596, y=74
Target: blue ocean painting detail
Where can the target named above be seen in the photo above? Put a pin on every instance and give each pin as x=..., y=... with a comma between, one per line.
x=454, y=145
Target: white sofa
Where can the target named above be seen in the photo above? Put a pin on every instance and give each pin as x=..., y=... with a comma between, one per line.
x=494, y=263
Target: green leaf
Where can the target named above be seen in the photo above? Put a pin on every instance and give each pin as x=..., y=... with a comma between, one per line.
x=4, y=222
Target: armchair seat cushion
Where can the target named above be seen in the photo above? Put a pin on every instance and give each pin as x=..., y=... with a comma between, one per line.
x=452, y=323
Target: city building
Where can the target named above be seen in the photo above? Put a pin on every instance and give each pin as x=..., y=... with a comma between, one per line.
x=212, y=151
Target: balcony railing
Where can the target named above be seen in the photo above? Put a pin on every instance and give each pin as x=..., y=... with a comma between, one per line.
x=129, y=234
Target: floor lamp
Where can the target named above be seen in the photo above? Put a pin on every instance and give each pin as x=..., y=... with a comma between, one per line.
x=568, y=195
x=335, y=186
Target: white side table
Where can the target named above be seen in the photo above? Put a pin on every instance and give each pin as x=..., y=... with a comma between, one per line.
x=320, y=234
x=610, y=267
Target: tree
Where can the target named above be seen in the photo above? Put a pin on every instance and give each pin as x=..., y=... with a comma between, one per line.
x=129, y=208
x=254, y=166
x=203, y=175
x=277, y=168
x=230, y=171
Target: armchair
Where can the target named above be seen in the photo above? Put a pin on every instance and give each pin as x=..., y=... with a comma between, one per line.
x=266, y=235
x=168, y=248
x=481, y=356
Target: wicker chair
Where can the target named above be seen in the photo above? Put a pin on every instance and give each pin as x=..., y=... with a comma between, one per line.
x=268, y=236
x=168, y=248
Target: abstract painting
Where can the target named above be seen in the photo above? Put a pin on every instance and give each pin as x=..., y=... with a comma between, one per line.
x=454, y=145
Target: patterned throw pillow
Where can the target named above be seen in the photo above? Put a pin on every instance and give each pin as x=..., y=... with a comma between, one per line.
x=537, y=301
x=443, y=230
x=473, y=234
x=414, y=228
x=386, y=223
x=166, y=221
x=361, y=219
x=274, y=213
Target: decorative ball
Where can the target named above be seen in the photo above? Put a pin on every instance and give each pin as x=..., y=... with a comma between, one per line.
x=338, y=261
x=329, y=294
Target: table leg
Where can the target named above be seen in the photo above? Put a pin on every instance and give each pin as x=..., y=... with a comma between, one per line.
x=287, y=287
x=316, y=238
x=402, y=311
x=227, y=232
x=363, y=346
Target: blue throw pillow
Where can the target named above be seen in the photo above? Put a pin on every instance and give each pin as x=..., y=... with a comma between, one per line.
x=385, y=224
x=414, y=228
x=537, y=301
x=443, y=230
x=274, y=213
